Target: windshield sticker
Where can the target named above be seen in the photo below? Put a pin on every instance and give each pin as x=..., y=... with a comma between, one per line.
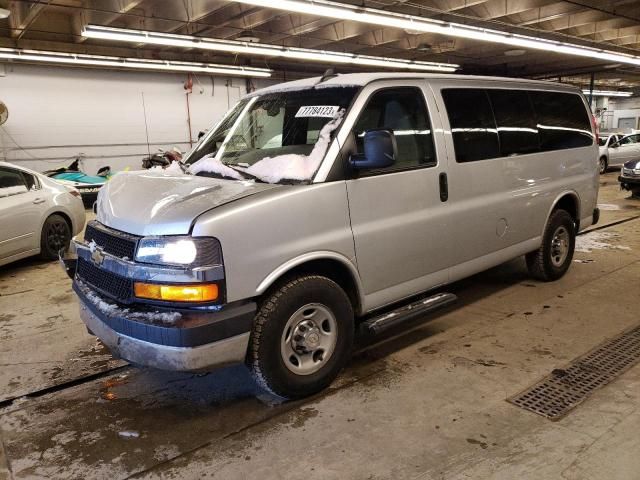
x=326, y=111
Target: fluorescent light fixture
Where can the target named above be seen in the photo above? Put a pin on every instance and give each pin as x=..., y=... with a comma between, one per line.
x=340, y=11
x=132, y=63
x=4, y=13
x=261, y=49
x=607, y=93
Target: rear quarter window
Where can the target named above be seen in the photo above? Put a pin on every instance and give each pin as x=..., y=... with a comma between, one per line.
x=516, y=122
x=563, y=121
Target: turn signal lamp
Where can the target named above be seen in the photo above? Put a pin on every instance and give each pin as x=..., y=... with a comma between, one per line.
x=204, y=292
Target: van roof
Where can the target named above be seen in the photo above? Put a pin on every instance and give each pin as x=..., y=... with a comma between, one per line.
x=361, y=79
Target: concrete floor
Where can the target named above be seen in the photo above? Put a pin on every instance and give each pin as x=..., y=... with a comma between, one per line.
x=428, y=403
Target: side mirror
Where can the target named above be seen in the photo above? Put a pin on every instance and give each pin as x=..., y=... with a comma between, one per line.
x=380, y=150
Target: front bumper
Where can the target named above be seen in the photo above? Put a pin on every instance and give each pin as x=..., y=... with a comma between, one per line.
x=629, y=183
x=203, y=341
x=201, y=338
x=204, y=357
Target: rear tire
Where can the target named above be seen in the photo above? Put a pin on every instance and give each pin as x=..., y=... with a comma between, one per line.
x=603, y=165
x=56, y=235
x=552, y=260
x=302, y=336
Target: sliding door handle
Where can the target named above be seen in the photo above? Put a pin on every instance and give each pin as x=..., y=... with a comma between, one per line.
x=444, y=187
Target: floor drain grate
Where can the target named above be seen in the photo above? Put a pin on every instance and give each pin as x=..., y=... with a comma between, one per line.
x=555, y=395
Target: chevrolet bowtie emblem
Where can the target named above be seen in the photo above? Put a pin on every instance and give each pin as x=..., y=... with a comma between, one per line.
x=97, y=256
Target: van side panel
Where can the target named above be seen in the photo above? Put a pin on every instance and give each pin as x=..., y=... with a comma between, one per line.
x=499, y=206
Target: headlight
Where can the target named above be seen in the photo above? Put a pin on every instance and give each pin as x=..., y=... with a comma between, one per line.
x=180, y=251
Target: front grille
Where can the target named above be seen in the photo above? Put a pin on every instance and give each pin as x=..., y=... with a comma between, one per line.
x=630, y=173
x=115, y=286
x=116, y=243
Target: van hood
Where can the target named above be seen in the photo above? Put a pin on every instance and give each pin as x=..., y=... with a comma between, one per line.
x=157, y=203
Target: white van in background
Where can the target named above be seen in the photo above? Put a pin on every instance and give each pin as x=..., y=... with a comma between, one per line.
x=328, y=204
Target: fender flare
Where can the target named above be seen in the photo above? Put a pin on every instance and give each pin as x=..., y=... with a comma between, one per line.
x=571, y=193
x=289, y=265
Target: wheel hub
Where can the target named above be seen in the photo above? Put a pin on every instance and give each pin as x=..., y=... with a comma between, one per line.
x=306, y=337
x=309, y=339
x=559, y=246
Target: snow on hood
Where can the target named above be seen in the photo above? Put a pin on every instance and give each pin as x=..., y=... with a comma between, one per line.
x=151, y=202
x=209, y=163
x=296, y=167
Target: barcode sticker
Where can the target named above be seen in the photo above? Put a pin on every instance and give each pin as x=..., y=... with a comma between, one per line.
x=327, y=111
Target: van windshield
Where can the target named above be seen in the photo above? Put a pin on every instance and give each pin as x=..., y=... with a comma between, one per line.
x=275, y=137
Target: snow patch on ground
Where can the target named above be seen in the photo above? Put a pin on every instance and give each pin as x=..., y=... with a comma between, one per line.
x=596, y=241
x=111, y=310
x=209, y=163
x=608, y=206
x=296, y=167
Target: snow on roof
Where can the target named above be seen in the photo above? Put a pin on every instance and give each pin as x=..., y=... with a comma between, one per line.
x=361, y=79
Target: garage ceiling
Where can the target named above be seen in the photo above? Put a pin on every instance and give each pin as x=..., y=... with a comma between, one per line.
x=614, y=25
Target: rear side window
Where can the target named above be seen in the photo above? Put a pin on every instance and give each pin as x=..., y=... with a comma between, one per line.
x=10, y=178
x=29, y=180
x=402, y=110
x=475, y=136
x=629, y=140
x=563, y=121
x=516, y=122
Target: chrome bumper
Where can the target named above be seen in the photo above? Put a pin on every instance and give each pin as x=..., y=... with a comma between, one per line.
x=204, y=357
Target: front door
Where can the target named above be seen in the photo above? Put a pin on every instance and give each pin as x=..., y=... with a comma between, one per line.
x=398, y=218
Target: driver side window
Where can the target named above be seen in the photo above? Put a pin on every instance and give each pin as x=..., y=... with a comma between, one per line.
x=403, y=111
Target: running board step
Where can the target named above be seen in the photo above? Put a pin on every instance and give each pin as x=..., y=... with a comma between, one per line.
x=406, y=313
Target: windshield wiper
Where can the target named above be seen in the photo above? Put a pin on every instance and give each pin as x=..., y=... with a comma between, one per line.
x=244, y=173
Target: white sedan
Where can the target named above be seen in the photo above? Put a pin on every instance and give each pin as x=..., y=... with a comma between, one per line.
x=617, y=149
x=37, y=214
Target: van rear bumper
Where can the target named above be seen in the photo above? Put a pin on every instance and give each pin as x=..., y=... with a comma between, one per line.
x=172, y=348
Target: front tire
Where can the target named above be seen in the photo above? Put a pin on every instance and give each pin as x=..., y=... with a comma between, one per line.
x=56, y=235
x=552, y=260
x=302, y=336
x=603, y=165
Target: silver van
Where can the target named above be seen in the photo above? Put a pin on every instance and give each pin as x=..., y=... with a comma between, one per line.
x=326, y=206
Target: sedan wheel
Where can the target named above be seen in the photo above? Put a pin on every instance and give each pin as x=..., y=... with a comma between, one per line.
x=56, y=235
x=603, y=165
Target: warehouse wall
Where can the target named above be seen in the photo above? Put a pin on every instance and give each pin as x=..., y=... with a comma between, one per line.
x=56, y=113
x=622, y=108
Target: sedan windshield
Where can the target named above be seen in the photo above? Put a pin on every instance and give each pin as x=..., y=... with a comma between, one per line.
x=280, y=136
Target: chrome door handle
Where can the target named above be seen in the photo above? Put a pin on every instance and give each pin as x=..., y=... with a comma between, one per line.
x=39, y=200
